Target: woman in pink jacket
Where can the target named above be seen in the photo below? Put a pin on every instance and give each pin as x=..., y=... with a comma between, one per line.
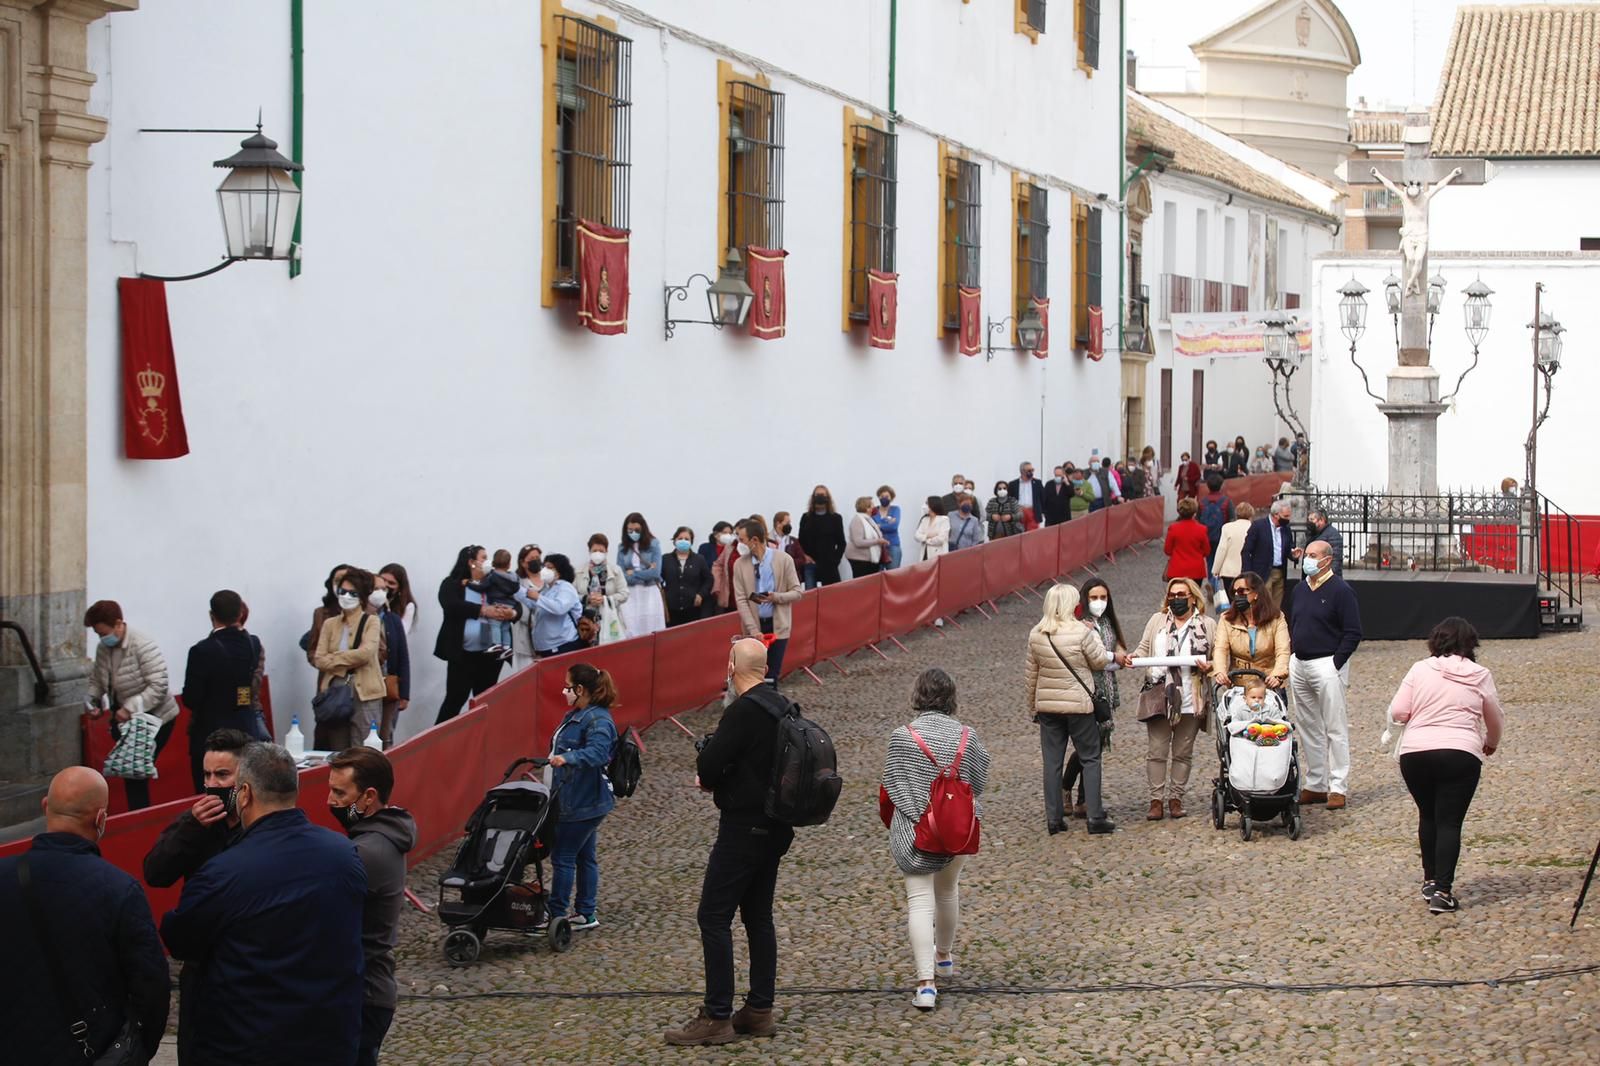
x=1452, y=720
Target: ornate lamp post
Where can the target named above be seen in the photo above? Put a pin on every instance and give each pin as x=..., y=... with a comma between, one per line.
x=729, y=297
x=1546, y=361
x=1030, y=330
x=1475, y=313
x=1280, y=350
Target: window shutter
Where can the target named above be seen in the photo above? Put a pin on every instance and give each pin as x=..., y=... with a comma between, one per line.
x=1092, y=267
x=1091, y=33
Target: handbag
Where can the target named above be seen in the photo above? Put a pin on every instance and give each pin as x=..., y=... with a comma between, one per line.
x=336, y=704
x=391, y=687
x=1160, y=699
x=126, y=1047
x=133, y=757
x=1101, y=703
x=611, y=627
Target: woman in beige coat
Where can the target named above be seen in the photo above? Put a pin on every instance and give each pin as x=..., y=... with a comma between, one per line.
x=1227, y=562
x=1064, y=657
x=129, y=676
x=1252, y=635
x=348, y=654
x=1182, y=629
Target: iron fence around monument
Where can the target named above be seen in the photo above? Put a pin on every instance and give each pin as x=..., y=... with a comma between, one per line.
x=1472, y=530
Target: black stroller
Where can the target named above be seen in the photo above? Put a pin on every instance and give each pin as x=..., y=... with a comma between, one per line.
x=515, y=824
x=1259, y=778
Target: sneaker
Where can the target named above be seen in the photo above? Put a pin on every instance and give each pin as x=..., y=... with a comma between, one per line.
x=703, y=1030
x=748, y=1021
x=1429, y=887
x=945, y=968
x=924, y=998
x=585, y=921
x=1442, y=903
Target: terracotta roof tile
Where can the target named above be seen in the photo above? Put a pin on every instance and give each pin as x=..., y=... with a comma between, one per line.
x=1521, y=81
x=1195, y=155
x=1376, y=127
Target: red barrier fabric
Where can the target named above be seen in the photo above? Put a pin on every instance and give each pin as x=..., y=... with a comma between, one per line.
x=802, y=649
x=1096, y=524
x=960, y=580
x=512, y=713
x=910, y=597
x=847, y=616
x=1040, y=550
x=691, y=662
x=440, y=775
x=1002, y=566
x=631, y=664
x=1148, y=516
x=1075, y=548
x=1121, y=522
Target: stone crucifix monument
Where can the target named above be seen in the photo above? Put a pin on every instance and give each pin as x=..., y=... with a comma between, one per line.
x=1413, y=406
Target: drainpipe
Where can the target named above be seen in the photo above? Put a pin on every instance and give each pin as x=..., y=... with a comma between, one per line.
x=297, y=67
x=894, y=21
x=1122, y=149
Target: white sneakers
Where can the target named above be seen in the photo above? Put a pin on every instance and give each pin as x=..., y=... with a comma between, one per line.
x=925, y=997
x=945, y=968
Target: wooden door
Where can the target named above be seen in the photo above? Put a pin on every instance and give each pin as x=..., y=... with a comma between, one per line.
x=1167, y=458
x=1197, y=416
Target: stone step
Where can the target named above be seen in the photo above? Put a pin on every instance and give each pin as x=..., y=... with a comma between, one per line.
x=19, y=808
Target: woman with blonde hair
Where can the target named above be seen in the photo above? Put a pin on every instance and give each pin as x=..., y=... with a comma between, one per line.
x=1175, y=701
x=1064, y=657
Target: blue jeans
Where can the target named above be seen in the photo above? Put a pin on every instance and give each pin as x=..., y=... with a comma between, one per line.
x=573, y=854
x=894, y=557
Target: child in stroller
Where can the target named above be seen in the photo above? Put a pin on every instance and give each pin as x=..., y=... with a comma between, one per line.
x=1259, y=756
x=515, y=824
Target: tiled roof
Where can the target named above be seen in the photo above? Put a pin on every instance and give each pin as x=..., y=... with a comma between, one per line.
x=1192, y=154
x=1521, y=81
x=1376, y=127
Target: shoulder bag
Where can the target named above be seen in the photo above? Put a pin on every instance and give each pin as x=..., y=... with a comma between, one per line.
x=126, y=1047
x=337, y=703
x=1102, y=704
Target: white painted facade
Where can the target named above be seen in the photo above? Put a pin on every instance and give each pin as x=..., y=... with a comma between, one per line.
x=1530, y=205
x=1481, y=438
x=407, y=394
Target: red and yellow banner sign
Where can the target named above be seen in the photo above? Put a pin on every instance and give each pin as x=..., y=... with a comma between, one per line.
x=1097, y=334
x=602, y=277
x=883, y=311
x=769, y=312
x=968, y=304
x=1041, y=307
x=1227, y=333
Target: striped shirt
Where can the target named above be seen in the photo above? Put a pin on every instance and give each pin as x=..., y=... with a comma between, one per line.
x=908, y=777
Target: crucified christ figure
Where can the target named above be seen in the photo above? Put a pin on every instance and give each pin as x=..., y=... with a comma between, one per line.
x=1414, y=226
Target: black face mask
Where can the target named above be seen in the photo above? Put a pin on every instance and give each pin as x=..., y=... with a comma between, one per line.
x=224, y=793
x=785, y=529
x=346, y=816
x=1241, y=605
x=1178, y=605
x=819, y=501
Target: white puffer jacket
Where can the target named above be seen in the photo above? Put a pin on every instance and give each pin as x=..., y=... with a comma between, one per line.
x=135, y=675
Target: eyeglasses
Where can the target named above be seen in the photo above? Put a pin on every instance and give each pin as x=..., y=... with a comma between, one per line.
x=568, y=688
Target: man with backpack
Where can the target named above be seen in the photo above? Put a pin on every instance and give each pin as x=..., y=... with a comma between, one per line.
x=1216, y=511
x=736, y=765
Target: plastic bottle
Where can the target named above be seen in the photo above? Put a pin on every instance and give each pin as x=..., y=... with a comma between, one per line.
x=295, y=740
x=373, y=740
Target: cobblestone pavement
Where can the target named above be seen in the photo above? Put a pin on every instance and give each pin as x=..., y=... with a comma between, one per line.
x=1155, y=903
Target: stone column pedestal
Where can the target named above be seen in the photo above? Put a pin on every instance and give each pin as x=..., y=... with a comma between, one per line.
x=1413, y=412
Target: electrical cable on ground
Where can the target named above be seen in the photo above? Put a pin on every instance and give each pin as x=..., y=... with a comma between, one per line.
x=1214, y=986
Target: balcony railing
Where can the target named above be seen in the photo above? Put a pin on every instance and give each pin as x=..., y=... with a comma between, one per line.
x=1380, y=202
x=1291, y=301
x=1180, y=295
x=1238, y=297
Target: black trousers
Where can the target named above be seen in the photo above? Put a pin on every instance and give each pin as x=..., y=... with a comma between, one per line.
x=685, y=616
x=138, y=788
x=775, y=652
x=741, y=874
x=858, y=568
x=468, y=674
x=1442, y=782
x=375, y=1023
x=827, y=572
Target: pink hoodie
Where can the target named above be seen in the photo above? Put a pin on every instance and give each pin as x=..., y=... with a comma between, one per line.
x=1448, y=702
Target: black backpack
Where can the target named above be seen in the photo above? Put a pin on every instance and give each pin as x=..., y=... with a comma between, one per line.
x=1215, y=513
x=624, y=768
x=805, y=780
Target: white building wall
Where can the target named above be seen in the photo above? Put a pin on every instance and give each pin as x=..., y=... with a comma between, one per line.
x=1481, y=437
x=1528, y=206
x=408, y=394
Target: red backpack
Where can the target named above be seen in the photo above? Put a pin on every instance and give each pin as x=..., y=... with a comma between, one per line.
x=950, y=824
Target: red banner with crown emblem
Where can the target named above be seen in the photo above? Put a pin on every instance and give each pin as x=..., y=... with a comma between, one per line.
x=970, y=336
x=883, y=298
x=1041, y=307
x=769, y=313
x=152, y=412
x=602, y=277
x=1097, y=334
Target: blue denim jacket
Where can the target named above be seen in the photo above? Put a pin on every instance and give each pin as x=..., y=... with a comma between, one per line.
x=585, y=738
x=649, y=561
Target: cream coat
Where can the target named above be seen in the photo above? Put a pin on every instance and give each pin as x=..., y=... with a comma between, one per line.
x=933, y=534
x=1147, y=643
x=616, y=583
x=786, y=591
x=136, y=673
x=359, y=663
x=1229, y=558
x=1233, y=648
x=1049, y=688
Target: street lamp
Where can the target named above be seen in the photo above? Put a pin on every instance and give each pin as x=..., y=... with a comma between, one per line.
x=1391, y=294
x=1353, y=322
x=1546, y=361
x=728, y=298
x=1547, y=343
x=1030, y=331
x=1476, y=313
x=1280, y=350
x=259, y=202
x=1436, y=287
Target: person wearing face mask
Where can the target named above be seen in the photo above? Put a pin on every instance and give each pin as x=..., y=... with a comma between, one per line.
x=1269, y=547
x=360, y=781
x=555, y=608
x=469, y=668
x=765, y=589
x=1057, y=503
x=77, y=935
x=579, y=752
x=1029, y=496
x=326, y=609
x=1319, y=528
x=1324, y=631
x=886, y=513
x=1186, y=477
x=530, y=560
x=1251, y=634
x=867, y=549
x=396, y=663
x=788, y=543
x=1003, y=514
x=1096, y=611
x=349, y=653
x=639, y=554
x=219, y=681
x=1262, y=463
x=1104, y=489
x=933, y=530
x=1188, y=546
x=274, y=924
x=958, y=486
x=685, y=580
x=1063, y=657
x=603, y=588
x=129, y=676
x=822, y=536
x=966, y=523
x=716, y=552
x=1227, y=561
x=207, y=827
x=1175, y=702
x=394, y=580
x=499, y=588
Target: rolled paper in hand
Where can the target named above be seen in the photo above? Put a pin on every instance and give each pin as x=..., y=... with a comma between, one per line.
x=1158, y=661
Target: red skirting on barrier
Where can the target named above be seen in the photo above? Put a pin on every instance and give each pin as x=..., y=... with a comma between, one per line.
x=691, y=662
x=1002, y=566
x=1149, y=514
x=1040, y=552
x=910, y=597
x=1074, y=550
x=847, y=616
x=802, y=650
x=960, y=580
x=1096, y=525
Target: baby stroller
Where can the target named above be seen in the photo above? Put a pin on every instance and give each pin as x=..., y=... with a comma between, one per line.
x=514, y=824
x=1260, y=760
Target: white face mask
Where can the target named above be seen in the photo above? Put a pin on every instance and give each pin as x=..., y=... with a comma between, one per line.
x=743, y=549
x=726, y=539
x=926, y=509
x=958, y=486
x=547, y=575
x=349, y=601
x=379, y=597
x=597, y=557
x=1098, y=607
x=1001, y=493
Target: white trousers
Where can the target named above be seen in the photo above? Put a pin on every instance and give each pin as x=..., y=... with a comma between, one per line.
x=1320, y=715
x=933, y=911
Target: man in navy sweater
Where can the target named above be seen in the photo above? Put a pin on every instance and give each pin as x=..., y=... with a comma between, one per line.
x=1324, y=630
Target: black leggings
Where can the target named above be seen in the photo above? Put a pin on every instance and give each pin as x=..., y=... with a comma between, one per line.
x=1442, y=782
x=138, y=788
x=468, y=674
